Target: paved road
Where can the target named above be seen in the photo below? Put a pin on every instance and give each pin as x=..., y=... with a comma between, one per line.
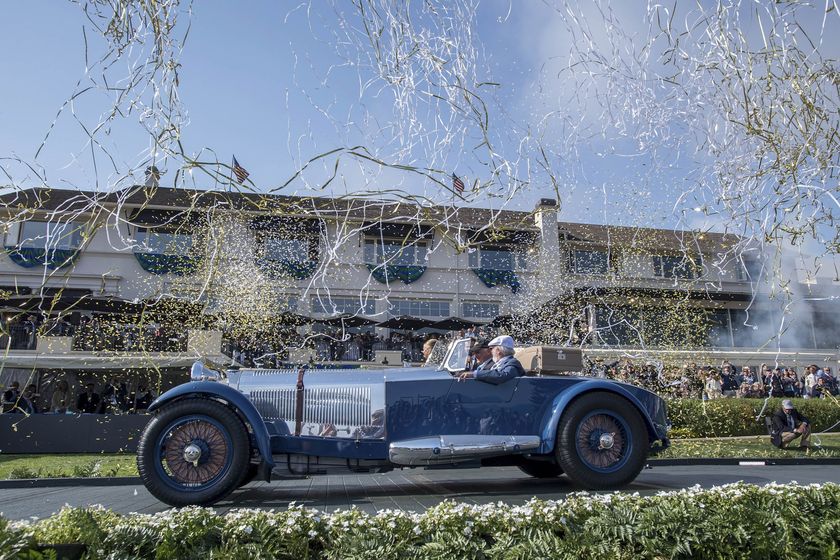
x=410, y=489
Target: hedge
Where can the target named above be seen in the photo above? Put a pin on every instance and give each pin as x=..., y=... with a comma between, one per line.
x=738, y=417
x=732, y=521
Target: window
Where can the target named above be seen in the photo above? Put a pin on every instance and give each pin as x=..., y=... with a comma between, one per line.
x=288, y=250
x=590, y=262
x=676, y=267
x=340, y=305
x=498, y=258
x=56, y=235
x=162, y=242
x=419, y=308
x=395, y=252
x=718, y=323
x=288, y=303
x=749, y=270
x=826, y=327
x=480, y=310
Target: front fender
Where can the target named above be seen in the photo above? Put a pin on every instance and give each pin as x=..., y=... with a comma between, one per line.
x=561, y=401
x=234, y=399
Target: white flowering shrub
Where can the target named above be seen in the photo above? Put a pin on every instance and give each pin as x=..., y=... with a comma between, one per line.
x=732, y=521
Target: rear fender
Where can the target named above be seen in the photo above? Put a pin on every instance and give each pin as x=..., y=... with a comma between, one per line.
x=235, y=400
x=561, y=401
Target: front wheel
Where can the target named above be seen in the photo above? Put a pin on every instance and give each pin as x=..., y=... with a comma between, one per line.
x=193, y=452
x=601, y=441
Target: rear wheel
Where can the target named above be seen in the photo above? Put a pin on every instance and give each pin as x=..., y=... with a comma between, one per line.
x=601, y=441
x=193, y=452
x=541, y=469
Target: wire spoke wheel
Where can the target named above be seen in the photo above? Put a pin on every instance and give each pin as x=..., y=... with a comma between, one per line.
x=193, y=452
x=211, y=445
x=602, y=441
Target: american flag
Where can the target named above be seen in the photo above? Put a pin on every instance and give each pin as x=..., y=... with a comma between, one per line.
x=457, y=184
x=240, y=172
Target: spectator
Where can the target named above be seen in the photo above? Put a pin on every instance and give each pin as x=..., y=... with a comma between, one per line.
x=428, y=346
x=713, y=385
x=29, y=399
x=728, y=384
x=60, y=397
x=810, y=381
x=11, y=398
x=143, y=398
x=746, y=376
x=88, y=402
x=788, y=425
x=790, y=384
x=821, y=390
x=114, y=398
x=31, y=327
x=775, y=383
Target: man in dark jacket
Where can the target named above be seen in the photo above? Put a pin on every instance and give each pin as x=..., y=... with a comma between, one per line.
x=481, y=357
x=88, y=402
x=789, y=425
x=505, y=366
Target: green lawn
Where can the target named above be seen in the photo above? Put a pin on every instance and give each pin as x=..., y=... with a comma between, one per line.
x=61, y=466
x=752, y=447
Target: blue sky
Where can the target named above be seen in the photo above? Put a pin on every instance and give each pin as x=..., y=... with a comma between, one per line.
x=270, y=82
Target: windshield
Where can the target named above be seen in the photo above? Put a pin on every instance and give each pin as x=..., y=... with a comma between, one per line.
x=437, y=354
x=459, y=352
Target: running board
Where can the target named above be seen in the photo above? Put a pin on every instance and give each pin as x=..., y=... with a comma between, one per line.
x=450, y=449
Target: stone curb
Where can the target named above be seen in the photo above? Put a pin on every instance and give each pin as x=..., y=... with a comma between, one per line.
x=744, y=461
x=59, y=482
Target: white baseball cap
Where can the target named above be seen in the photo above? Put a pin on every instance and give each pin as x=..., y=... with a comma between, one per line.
x=504, y=341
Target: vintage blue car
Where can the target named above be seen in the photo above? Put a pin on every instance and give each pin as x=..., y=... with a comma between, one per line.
x=218, y=432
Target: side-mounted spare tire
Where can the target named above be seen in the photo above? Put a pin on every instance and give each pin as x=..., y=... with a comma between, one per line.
x=602, y=441
x=193, y=452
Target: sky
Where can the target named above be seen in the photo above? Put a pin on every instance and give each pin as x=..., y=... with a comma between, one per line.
x=278, y=83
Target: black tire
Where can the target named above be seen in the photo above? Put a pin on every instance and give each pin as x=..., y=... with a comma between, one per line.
x=208, y=425
x=541, y=469
x=579, y=448
x=249, y=474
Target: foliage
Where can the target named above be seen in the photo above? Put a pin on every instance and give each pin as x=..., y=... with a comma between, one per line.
x=742, y=417
x=732, y=521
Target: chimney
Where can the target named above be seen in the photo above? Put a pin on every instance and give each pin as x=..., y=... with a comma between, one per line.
x=549, y=270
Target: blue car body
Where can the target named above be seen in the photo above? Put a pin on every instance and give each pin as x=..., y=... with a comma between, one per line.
x=303, y=421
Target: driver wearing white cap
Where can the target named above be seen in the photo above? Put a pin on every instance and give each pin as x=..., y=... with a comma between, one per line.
x=505, y=366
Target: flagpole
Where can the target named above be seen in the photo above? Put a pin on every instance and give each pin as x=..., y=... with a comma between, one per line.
x=230, y=175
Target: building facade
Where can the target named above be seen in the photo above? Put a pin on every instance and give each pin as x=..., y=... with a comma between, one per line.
x=75, y=255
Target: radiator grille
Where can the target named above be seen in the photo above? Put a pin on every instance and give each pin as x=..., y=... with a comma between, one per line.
x=341, y=406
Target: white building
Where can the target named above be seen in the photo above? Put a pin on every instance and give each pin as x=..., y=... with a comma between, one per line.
x=77, y=254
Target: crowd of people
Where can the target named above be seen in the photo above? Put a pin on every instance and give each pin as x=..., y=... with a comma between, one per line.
x=92, y=332
x=338, y=346
x=725, y=381
x=111, y=398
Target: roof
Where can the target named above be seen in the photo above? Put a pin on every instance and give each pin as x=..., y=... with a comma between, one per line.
x=649, y=239
x=357, y=209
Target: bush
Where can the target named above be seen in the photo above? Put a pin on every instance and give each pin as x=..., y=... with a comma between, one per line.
x=739, y=417
x=734, y=521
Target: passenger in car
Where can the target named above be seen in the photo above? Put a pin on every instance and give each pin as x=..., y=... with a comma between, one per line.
x=506, y=366
x=481, y=357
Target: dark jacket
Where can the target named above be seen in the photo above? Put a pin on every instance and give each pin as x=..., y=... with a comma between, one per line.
x=89, y=404
x=504, y=370
x=780, y=425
